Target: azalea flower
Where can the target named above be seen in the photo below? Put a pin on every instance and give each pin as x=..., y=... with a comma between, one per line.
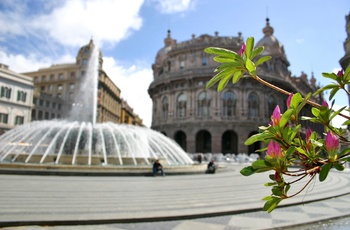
x=276, y=116
x=289, y=99
x=332, y=142
x=274, y=150
x=340, y=73
x=324, y=103
x=308, y=134
x=242, y=50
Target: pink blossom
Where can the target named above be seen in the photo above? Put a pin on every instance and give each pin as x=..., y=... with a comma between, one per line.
x=308, y=134
x=276, y=116
x=289, y=99
x=274, y=150
x=332, y=142
x=324, y=103
x=340, y=73
x=242, y=50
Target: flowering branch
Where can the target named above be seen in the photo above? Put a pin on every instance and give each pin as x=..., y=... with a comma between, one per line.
x=286, y=146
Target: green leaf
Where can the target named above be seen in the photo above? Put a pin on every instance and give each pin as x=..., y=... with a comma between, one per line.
x=324, y=171
x=258, y=137
x=261, y=165
x=220, y=51
x=327, y=87
x=347, y=72
x=332, y=76
x=223, y=82
x=247, y=171
x=285, y=117
x=223, y=59
x=250, y=67
x=249, y=47
x=270, y=205
x=286, y=189
x=338, y=166
x=238, y=74
x=270, y=184
x=257, y=51
x=332, y=93
x=228, y=65
x=219, y=76
x=262, y=60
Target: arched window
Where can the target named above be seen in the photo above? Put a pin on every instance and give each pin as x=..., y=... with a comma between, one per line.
x=204, y=105
x=181, y=105
x=229, y=104
x=253, y=105
x=165, y=107
x=271, y=104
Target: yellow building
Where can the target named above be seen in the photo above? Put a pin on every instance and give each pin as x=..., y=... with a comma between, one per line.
x=56, y=88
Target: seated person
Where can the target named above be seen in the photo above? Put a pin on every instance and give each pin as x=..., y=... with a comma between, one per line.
x=157, y=167
x=211, y=167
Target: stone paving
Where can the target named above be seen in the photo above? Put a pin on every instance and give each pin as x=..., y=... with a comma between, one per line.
x=225, y=200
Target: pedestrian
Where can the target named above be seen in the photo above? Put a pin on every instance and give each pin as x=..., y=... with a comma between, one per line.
x=158, y=167
x=211, y=167
x=199, y=158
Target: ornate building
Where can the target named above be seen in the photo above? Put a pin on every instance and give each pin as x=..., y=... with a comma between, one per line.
x=16, y=93
x=345, y=61
x=204, y=120
x=56, y=89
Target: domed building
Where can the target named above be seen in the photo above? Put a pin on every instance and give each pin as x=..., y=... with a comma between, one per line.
x=203, y=120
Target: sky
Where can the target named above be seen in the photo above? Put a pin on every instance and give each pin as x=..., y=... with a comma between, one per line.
x=38, y=33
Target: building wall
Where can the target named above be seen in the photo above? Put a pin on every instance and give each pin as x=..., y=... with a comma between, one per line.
x=205, y=120
x=16, y=93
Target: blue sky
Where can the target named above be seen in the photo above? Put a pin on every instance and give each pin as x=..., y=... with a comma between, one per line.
x=39, y=33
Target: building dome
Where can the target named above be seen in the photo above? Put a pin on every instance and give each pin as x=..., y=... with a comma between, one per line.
x=271, y=44
x=85, y=52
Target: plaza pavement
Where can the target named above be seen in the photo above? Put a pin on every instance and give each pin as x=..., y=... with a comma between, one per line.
x=225, y=200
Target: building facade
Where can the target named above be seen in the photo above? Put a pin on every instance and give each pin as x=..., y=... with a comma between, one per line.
x=16, y=93
x=203, y=120
x=57, y=87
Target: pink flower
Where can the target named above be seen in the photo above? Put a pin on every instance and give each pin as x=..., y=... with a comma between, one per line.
x=332, y=142
x=340, y=73
x=289, y=99
x=276, y=116
x=274, y=150
x=308, y=134
x=324, y=103
x=242, y=50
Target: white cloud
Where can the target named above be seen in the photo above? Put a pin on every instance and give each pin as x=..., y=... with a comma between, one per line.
x=133, y=82
x=174, y=6
x=105, y=20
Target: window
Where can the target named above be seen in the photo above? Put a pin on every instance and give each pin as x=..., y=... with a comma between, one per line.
x=204, y=60
x=53, y=105
x=71, y=86
x=21, y=96
x=42, y=88
x=47, y=104
x=52, y=77
x=43, y=78
x=60, y=76
x=36, y=79
x=50, y=87
x=72, y=74
x=182, y=64
x=82, y=74
x=19, y=120
x=59, y=87
x=40, y=115
x=204, y=105
x=53, y=116
x=181, y=105
x=59, y=95
x=41, y=102
x=3, y=118
x=165, y=107
x=84, y=62
x=59, y=106
x=5, y=92
x=229, y=104
x=47, y=115
x=253, y=105
x=35, y=101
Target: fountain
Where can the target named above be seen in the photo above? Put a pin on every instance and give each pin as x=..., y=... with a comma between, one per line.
x=79, y=140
